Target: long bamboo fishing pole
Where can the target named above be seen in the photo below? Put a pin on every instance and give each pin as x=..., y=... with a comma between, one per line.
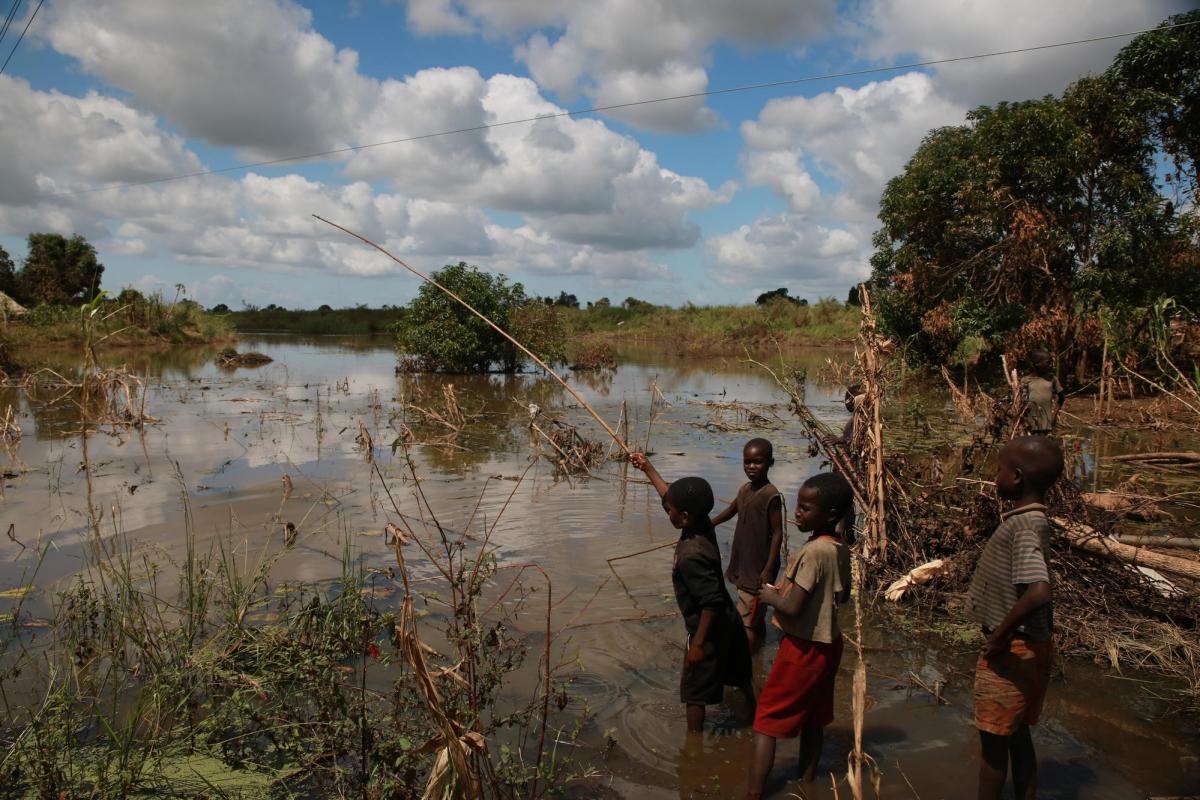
x=620, y=442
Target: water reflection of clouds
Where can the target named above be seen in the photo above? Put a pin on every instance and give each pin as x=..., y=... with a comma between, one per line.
x=249, y=429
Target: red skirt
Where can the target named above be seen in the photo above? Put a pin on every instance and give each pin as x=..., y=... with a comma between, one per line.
x=799, y=691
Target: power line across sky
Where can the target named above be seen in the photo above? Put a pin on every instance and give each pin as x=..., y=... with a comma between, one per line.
x=323, y=154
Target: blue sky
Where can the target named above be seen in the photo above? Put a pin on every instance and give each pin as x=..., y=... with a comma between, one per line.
x=704, y=201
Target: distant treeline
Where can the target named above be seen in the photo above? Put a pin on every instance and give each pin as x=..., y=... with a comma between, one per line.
x=356, y=321
x=776, y=317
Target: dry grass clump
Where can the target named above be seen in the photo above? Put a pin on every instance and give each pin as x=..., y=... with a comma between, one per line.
x=230, y=358
x=570, y=452
x=593, y=357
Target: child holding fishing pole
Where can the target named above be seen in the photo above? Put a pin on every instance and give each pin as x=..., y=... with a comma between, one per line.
x=797, y=699
x=754, y=554
x=717, y=653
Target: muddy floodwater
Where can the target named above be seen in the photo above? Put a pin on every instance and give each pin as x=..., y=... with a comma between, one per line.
x=215, y=465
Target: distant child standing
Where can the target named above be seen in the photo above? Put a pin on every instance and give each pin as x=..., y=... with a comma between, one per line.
x=1041, y=395
x=797, y=698
x=754, y=554
x=855, y=395
x=717, y=653
x=1010, y=597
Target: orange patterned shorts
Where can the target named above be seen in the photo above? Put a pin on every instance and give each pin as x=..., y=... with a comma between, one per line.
x=1011, y=688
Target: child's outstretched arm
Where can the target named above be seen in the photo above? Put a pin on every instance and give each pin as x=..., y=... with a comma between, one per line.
x=640, y=461
x=729, y=513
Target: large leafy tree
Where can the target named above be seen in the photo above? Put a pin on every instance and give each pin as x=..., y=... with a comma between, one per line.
x=446, y=337
x=1016, y=228
x=59, y=270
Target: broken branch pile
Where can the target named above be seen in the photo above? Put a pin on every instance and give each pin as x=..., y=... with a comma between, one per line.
x=1118, y=604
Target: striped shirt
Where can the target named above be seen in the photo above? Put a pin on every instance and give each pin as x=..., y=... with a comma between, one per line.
x=1017, y=554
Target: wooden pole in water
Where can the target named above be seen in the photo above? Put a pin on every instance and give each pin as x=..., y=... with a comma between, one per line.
x=620, y=442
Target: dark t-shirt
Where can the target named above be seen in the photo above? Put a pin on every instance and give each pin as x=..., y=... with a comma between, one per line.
x=697, y=579
x=698, y=585
x=751, y=547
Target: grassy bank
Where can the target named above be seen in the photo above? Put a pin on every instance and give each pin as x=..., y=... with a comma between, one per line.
x=720, y=327
x=339, y=321
x=128, y=322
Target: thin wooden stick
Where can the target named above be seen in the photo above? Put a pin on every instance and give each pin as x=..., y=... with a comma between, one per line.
x=620, y=442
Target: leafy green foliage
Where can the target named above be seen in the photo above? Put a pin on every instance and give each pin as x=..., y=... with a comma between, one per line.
x=58, y=271
x=779, y=294
x=1159, y=74
x=445, y=337
x=8, y=277
x=540, y=327
x=1018, y=228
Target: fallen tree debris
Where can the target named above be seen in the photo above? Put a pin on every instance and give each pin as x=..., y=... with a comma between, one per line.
x=1088, y=538
x=1183, y=458
x=915, y=577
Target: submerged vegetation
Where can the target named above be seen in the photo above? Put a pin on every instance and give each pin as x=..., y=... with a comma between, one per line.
x=206, y=676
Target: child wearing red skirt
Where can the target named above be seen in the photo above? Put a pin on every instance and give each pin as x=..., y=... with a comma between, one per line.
x=797, y=699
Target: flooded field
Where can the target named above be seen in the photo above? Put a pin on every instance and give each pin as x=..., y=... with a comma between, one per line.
x=239, y=455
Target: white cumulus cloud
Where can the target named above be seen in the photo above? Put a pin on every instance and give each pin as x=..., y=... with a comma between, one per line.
x=249, y=75
x=937, y=29
x=619, y=51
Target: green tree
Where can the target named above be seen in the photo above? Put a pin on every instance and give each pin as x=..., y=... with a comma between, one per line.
x=565, y=300
x=781, y=294
x=59, y=271
x=446, y=337
x=1015, y=229
x=8, y=277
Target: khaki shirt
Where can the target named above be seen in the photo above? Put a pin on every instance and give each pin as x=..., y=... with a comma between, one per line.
x=821, y=568
x=1041, y=397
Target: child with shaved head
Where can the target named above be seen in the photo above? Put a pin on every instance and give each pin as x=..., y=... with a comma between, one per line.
x=1010, y=597
x=797, y=699
x=754, y=553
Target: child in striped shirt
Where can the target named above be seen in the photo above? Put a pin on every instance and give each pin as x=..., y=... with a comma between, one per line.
x=1010, y=598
